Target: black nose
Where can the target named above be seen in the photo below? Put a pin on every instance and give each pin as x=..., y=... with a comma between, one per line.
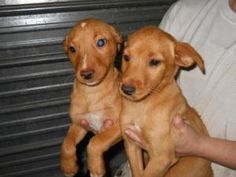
x=128, y=89
x=87, y=74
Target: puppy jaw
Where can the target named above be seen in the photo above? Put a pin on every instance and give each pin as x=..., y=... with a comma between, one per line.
x=88, y=56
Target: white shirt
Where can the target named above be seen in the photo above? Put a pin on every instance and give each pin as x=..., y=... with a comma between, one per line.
x=210, y=27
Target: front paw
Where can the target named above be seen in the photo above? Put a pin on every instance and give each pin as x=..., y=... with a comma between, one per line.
x=96, y=167
x=69, y=167
x=95, y=175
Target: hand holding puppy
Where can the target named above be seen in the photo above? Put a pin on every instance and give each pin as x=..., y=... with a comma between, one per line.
x=190, y=143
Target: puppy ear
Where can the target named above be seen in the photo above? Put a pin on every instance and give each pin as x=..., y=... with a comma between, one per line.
x=65, y=44
x=186, y=56
x=117, y=36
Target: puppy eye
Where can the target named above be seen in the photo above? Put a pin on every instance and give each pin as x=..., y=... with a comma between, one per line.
x=154, y=62
x=72, y=49
x=101, y=42
x=126, y=57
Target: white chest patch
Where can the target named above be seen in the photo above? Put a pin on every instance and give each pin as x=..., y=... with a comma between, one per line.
x=95, y=121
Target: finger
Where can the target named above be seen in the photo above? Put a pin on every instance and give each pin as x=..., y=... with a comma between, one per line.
x=132, y=134
x=84, y=123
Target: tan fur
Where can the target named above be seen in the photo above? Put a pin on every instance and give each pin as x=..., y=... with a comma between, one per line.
x=96, y=99
x=156, y=100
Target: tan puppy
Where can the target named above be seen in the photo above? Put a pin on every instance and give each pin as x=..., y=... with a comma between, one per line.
x=92, y=46
x=151, y=60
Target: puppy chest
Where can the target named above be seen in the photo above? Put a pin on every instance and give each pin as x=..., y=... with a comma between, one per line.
x=145, y=119
x=95, y=120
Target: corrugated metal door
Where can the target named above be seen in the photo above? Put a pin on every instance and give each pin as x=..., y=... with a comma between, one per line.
x=36, y=77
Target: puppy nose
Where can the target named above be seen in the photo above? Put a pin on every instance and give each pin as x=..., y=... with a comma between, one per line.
x=128, y=89
x=87, y=74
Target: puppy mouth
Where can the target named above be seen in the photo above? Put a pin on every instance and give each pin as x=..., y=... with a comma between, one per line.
x=130, y=92
x=92, y=83
x=133, y=98
x=89, y=80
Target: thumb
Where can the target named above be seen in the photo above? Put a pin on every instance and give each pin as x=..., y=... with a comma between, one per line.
x=133, y=134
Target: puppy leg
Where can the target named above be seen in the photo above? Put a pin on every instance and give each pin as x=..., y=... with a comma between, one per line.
x=68, y=152
x=98, y=145
x=135, y=157
x=158, y=165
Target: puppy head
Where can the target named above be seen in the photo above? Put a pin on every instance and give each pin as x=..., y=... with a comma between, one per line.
x=92, y=46
x=151, y=59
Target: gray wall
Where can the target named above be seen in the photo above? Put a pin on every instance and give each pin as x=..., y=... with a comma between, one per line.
x=36, y=77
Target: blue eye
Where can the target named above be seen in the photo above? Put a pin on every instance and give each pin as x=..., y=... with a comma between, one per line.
x=101, y=42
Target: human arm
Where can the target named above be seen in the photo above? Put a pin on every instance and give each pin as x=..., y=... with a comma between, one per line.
x=214, y=149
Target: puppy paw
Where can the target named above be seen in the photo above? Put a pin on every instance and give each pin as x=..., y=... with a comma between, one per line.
x=69, y=168
x=95, y=175
x=69, y=174
x=70, y=171
x=96, y=168
x=99, y=172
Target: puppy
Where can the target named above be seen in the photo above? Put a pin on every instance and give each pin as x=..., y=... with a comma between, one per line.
x=92, y=46
x=151, y=60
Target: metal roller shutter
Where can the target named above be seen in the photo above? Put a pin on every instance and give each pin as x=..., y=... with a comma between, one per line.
x=36, y=77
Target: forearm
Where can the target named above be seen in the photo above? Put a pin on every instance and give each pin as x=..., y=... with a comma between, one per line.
x=217, y=150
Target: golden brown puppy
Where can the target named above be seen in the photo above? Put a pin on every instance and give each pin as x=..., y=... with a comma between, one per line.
x=92, y=46
x=151, y=60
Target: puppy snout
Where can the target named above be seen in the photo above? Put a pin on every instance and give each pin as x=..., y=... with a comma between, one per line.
x=128, y=89
x=87, y=74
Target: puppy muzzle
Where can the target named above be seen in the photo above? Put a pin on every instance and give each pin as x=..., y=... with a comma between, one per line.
x=87, y=74
x=128, y=89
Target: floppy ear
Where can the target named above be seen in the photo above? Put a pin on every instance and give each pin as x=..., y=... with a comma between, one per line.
x=186, y=56
x=117, y=36
x=65, y=44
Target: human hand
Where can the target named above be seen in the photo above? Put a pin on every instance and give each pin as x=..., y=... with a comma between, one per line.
x=187, y=139
x=189, y=142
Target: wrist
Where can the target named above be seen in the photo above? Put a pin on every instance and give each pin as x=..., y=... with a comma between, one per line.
x=200, y=146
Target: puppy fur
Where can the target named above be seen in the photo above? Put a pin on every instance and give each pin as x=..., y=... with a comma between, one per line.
x=91, y=46
x=151, y=61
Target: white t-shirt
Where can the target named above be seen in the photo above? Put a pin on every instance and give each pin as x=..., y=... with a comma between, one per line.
x=210, y=27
